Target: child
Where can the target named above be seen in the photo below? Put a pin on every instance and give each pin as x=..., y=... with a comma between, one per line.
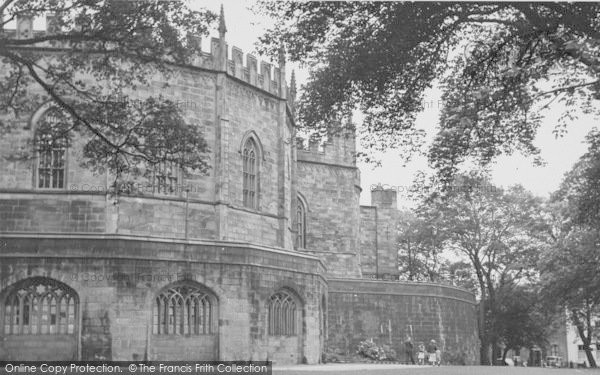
x=431, y=350
x=421, y=354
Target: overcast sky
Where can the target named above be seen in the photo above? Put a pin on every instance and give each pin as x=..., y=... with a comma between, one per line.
x=243, y=30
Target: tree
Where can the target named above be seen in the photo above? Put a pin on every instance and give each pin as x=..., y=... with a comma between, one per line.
x=571, y=278
x=570, y=268
x=498, y=64
x=460, y=273
x=523, y=318
x=420, y=245
x=90, y=62
x=497, y=231
x=581, y=186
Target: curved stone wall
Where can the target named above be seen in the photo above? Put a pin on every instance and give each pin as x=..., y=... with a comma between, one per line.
x=385, y=311
x=118, y=278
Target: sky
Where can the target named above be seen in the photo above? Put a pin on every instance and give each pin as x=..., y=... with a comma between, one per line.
x=243, y=30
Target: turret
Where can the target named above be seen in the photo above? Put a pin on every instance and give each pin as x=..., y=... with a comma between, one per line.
x=338, y=149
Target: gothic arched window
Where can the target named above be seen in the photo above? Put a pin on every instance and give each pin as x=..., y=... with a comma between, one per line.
x=283, y=314
x=250, y=158
x=40, y=306
x=166, y=178
x=300, y=224
x=184, y=310
x=51, y=150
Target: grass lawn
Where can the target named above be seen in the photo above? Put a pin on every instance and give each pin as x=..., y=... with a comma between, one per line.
x=376, y=369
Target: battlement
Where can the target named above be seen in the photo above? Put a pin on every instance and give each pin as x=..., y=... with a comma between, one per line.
x=336, y=149
x=243, y=66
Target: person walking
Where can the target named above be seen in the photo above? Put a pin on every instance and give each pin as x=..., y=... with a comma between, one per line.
x=408, y=349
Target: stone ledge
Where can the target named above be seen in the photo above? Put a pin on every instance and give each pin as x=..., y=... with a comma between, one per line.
x=28, y=245
x=401, y=288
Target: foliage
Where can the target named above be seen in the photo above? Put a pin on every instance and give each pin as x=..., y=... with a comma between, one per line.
x=460, y=273
x=499, y=65
x=420, y=246
x=570, y=277
x=500, y=233
x=369, y=349
x=91, y=61
x=570, y=268
x=581, y=186
x=523, y=317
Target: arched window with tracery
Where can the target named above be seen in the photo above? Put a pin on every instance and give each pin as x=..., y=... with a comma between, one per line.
x=167, y=176
x=300, y=224
x=51, y=150
x=184, y=310
x=250, y=160
x=40, y=306
x=283, y=314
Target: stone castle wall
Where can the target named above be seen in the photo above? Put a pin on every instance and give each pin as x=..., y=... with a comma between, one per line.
x=117, y=280
x=225, y=109
x=368, y=241
x=378, y=238
x=330, y=182
x=206, y=235
x=386, y=311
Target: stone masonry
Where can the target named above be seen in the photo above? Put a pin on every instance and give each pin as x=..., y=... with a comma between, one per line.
x=117, y=254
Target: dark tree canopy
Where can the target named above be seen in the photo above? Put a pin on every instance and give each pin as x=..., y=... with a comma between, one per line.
x=498, y=65
x=500, y=233
x=570, y=277
x=580, y=187
x=570, y=267
x=524, y=318
x=90, y=61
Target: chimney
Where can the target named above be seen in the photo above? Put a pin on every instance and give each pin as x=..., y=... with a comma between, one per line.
x=384, y=198
x=24, y=26
x=52, y=23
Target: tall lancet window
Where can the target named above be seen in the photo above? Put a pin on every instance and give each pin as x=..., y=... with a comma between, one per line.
x=51, y=150
x=250, y=174
x=300, y=224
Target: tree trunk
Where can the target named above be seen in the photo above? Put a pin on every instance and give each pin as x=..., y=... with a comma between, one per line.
x=590, y=356
x=585, y=339
x=504, y=353
x=484, y=353
x=483, y=337
x=496, y=352
x=483, y=334
x=411, y=274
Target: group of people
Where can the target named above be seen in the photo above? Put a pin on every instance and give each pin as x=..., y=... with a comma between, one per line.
x=430, y=354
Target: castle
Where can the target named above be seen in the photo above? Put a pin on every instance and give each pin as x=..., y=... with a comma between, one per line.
x=268, y=257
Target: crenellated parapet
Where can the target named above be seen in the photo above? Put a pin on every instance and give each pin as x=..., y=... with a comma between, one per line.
x=235, y=63
x=337, y=149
